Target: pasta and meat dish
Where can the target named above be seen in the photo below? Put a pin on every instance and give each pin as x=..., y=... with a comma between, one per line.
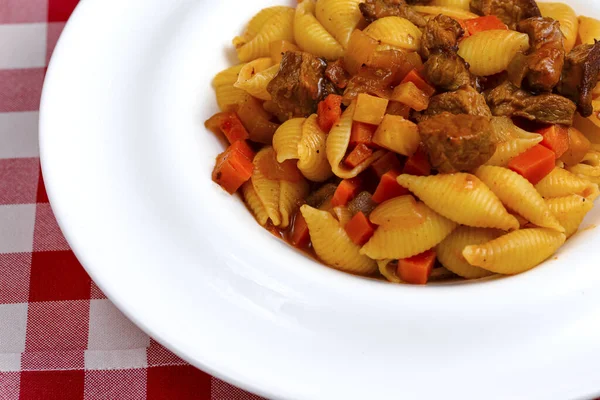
x=415, y=140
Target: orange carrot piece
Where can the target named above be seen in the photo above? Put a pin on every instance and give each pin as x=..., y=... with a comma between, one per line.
x=360, y=229
x=362, y=133
x=300, y=236
x=386, y=163
x=416, y=269
x=358, y=155
x=414, y=77
x=346, y=191
x=329, y=112
x=229, y=124
x=389, y=188
x=418, y=164
x=233, y=166
x=556, y=138
x=534, y=164
x=486, y=23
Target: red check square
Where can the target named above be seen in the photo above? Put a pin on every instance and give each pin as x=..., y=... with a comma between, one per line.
x=181, y=383
x=42, y=196
x=127, y=384
x=22, y=11
x=21, y=89
x=53, y=33
x=9, y=385
x=57, y=275
x=18, y=180
x=52, y=385
x=60, y=10
x=15, y=270
x=47, y=236
x=159, y=356
x=57, y=325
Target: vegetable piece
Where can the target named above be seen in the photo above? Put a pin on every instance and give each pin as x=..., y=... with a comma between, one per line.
x=414, y=77
x=534, y=164
x=487, y=23
x=362, y=133
x=257, y=121
x=329, y=112
x=397, y=134
x=229, y=124
x=279, y=47
x=556, y=138
x=360, y=48
x=370, y=109
x=300, y=236
x=389, y=188
x=386, y=163
x=579, y=146
x=346, y=190
x=417, y=269
x=400, y=109
x=360, y=229
x=234, y=166
x=418, y=164
x=358, y=155
x=408, y=93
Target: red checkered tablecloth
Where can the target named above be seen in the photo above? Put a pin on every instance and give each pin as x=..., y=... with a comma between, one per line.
x=60, y=338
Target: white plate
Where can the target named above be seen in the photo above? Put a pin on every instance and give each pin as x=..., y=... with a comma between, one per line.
x=127, y=164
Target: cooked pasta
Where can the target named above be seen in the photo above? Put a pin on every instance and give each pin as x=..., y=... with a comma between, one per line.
x=312, y=152
x=311, y=36
x=395, y=31
x=589, y=29
x=254, y=203
x=343, y=215
x=255, y=76
x=515, y=252
x=589, y=168
x=227, y=95
x=267, y=190
x=569, y=24
x=570, y=211
x=287, y=138
x=388, y=271
x=560, y=183
x=290, y=195
x=490, y=52
x=511, y=141
x=339, y=17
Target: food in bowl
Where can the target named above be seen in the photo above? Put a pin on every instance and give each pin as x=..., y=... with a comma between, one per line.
x=415, y=142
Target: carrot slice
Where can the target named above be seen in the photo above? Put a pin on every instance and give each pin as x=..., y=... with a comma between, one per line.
x=359, y=154
x=414, y=77
x=229, y=124
x=346, y=191
x=534, y=164
x=556, y=138
x=418, y=163
x=389, y=188
x=486, y=23
x=362, y=133
x=386, y=163
x=300, y=236
x=234, y=167
x=329, y=112
x=417, y=269
x=360, y=229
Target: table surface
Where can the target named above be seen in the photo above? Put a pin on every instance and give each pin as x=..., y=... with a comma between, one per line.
x=60, y=338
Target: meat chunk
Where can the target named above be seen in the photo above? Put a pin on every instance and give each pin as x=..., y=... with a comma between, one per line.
x=540, y=67
x=511, y=12
x=336, y=74
x=580, y=76
x=457, y=143
x=508, y=100
x=298, y=86
x=441, y=33
x=447, y=70
x=374, y=9
x=463, y=101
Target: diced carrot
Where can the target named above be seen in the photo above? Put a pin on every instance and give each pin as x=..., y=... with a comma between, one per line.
x=360, y=153
x=414, y=77
x=360, y=229
x=386, y=163
x=234, y=166
x=362, y=133
x=300, y=236
x=346, y=191
x=388, y=188
x=329, y=112
x=464, y=26
x=579, y=146
x=229, y=123
x=418, y=163
x=416, y=269
x=486, y=23
x=534, y=164
x=556, y=138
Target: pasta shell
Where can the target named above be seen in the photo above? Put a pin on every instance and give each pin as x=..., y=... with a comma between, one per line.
x=257, y=22
x=449, y=252
x=511, y=141
x=339, y=17
x=564, y=14
x=388, y=270
x=286, y=139
x=490, y=52
x=228, y=76
x=311, y=36
x=267, y=190
x=396, y=241
x=290, y=197
x=332, y=244
x=254, y=204
x=280, y=26
x=400, y=211
x=589, y=167
x=449, y=11
x=396, y=31
x=337, y=145
x=515, y=252
x=227, y=95
x=255, y=76
x=461, y=197
x=570, y=211
x=518, y=194
x=343, y=215
x=312, y=152
x=560, y=183
x=460, y=4
x=589, y=30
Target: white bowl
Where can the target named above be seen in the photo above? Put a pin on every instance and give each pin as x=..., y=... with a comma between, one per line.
x=127, y=164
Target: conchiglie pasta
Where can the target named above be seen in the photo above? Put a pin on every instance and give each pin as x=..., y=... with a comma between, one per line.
x=564, y=14
x=490, y=52
x=339, y=17
x=311, y=36
x=560, y=183
x=397, y=241
x=400, y=211
x=227, y=95
x=395, y=31
x=589, y=167
x=461, y=197
x=518, y=194
x=343, y=215
x=279, y=26
x=332, y=244
x=290, y=196
x=589, y=30
x=515, y=252
x=460, y=4
x=257, y=22
x=337, y=146
x=590, y=127
x=388, y=268
x=511, y=141
x=449, y=251
x=286, y=139
x=267, y=190
x=453, y=12
x=570, y=211
x=254, y=203
x=255, y=76
x=312, y=152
